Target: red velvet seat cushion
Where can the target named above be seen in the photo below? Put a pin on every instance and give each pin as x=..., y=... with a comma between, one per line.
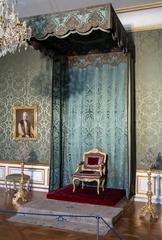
x=87, y=174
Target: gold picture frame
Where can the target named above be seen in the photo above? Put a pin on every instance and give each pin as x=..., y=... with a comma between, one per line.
x=25, y=122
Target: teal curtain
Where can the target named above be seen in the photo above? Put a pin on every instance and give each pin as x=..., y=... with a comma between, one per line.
x=90, y=110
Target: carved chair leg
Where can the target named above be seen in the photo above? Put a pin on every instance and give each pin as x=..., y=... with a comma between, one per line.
x=74, y=185
x=6, y=185
x=98, y=187
x=103, y=184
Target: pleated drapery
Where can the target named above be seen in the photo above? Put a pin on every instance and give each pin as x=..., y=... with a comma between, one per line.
x=90, y=110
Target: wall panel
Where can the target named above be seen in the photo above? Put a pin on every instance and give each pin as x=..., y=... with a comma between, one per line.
x=39, y=174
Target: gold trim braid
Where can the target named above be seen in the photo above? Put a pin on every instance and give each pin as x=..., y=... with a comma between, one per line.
x=97, y=60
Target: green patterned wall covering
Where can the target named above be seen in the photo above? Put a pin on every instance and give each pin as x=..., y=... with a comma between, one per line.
x=148, y=77
x=25, y=79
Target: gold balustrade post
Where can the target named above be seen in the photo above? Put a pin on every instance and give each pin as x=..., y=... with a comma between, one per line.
x=149, y=208
x=21, y=193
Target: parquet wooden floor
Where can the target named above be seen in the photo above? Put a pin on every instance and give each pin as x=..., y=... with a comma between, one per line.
x=129, y=226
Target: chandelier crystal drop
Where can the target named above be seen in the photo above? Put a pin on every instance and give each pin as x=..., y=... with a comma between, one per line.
x=13, y=32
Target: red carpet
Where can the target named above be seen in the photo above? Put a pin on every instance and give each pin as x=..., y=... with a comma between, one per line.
x=88, y=195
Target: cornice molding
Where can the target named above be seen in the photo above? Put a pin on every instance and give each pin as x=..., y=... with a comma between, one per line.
x=144, y=28
x=139, y=7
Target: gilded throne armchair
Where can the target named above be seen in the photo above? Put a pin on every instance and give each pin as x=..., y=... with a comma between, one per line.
x=92, y=168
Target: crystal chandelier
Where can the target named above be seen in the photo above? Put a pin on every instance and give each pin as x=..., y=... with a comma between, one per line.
x=13, y=32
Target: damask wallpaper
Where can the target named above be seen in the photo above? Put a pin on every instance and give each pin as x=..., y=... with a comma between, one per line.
x=25, y=79
x=148, y=77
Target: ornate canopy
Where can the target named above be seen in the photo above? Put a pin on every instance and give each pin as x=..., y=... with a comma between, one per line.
x=76, y=39
x=91, y=25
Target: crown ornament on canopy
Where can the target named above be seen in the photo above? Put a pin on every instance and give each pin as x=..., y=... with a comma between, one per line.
x=13, y=32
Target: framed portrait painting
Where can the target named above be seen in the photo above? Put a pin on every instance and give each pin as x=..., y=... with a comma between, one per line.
x=25, y=122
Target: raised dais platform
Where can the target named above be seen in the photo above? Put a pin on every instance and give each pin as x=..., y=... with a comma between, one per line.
x=81, y=224
x=108, y=197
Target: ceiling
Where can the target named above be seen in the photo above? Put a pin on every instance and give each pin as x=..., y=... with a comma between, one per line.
x=150, y=13
x=37, y=7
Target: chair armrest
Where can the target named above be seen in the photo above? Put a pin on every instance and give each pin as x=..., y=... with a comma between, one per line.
x=101, y=167
x=79, y=166
x=81, y=163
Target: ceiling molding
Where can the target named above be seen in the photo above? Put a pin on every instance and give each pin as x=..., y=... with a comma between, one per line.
x=139, y=7
x=145, y=28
